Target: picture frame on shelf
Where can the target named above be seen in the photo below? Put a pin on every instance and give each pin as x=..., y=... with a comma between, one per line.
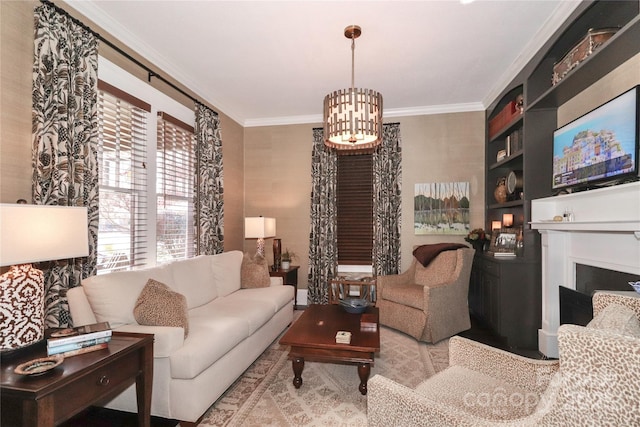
x=503, y=242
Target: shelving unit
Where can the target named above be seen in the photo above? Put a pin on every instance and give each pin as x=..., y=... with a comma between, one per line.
x=492, y=295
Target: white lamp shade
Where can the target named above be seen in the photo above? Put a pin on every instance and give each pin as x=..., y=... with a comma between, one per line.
x=34, y=233
x=259, y=227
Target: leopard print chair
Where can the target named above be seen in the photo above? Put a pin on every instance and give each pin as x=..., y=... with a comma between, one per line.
x=595, y=382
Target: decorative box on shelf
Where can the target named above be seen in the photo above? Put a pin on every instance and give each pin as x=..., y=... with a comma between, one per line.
x=508, y=113
x=593, y=40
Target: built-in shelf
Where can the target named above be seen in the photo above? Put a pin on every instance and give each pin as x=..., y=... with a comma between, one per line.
x=514, y=156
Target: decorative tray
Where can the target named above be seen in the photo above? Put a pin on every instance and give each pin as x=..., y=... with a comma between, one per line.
x=38, y=366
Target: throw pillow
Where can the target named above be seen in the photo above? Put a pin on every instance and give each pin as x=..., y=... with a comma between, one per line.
x=158, y=305
x=426, y=253
x=254, y=272
x=617, y=319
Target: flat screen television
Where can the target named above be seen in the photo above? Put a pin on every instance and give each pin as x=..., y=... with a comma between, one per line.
x=598, y=148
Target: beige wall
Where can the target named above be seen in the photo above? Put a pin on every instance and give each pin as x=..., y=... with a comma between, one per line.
x=436, y=148
x=16, y=54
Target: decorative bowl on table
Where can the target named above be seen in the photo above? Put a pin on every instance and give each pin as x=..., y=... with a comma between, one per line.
x=354, y=305
x=635, y=286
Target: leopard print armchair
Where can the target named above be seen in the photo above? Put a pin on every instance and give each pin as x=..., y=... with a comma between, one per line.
x=595, y=382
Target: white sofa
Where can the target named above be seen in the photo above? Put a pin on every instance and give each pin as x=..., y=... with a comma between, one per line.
x=229, y=328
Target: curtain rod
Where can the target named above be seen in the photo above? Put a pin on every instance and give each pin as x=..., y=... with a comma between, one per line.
x=150, y=72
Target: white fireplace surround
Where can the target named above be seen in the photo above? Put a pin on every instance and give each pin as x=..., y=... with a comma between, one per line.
x=605, y=233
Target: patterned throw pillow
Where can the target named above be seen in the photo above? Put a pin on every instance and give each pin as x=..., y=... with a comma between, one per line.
x=158, y=305
x=617, y=319
x=254, y=272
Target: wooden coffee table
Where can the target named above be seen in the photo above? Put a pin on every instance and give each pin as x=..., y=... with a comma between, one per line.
x=313, y=337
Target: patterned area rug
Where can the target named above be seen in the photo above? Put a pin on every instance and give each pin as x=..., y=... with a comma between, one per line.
x=265, y=395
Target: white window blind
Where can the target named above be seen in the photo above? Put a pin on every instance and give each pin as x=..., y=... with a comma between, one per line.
x=122, y=135
x=175, y=187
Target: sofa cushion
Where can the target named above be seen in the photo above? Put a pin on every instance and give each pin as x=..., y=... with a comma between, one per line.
x=617, y=319
x=438, y=272
x=226, y=271
x=275, y=297
x=113, y=296
x=410, y=295
x=194, y=279
x=158, y=305
x=478, y=394
x=254, y=272
x=212, y=334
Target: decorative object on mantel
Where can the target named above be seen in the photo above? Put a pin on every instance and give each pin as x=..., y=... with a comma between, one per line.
x=593, y=40
x=33, y=233
x=635, y=286
x=353, y=117
x=500, y=193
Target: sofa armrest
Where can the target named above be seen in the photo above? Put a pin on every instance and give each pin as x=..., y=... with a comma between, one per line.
x=392, y=404
x=81, y=312
x=166, y=339
x=276, y=281
x=391, y=280
x=531, y=374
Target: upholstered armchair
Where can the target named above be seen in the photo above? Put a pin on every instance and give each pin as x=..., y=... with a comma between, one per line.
x=429, y=302
x=595, y=382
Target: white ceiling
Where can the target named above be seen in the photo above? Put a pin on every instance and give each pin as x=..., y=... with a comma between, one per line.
x=272, y=62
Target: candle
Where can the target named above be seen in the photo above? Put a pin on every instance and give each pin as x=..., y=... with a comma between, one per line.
x=507, y=220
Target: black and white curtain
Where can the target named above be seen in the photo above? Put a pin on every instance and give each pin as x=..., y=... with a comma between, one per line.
x=387, y=185
x=209, y=191
x=323, y=243
x=387, y=201
x=65, y=140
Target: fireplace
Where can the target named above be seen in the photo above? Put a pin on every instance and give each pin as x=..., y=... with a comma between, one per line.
x=604, y=235
x=576, y=305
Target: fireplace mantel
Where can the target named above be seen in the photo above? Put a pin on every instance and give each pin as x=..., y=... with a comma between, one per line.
x=605, y=233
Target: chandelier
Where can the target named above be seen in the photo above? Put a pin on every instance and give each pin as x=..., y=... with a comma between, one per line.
x=353, y=117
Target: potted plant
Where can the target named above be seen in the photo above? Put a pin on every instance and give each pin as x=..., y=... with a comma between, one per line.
x=287, y=257
x=478, y=238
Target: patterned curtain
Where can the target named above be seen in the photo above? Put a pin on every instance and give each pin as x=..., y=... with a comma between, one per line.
x=387, y=201
x=65, y=140
x=323, y=247
x=209, y=192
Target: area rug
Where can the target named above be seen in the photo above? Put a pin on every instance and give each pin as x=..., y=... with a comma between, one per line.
x=265, y=396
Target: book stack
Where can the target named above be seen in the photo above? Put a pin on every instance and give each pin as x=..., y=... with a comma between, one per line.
x=368, y=322
x=79, y=340
x=343, y=337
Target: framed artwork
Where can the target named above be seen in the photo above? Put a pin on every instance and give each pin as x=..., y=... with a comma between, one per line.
x=503, y=241
x=441, y=208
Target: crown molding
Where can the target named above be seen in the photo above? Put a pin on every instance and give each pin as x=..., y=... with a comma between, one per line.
x=551, y=25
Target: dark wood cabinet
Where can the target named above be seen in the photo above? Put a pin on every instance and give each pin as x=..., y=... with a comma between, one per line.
x=506, y=300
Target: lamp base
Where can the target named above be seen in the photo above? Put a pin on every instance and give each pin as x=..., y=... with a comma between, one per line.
x=21, y=307
x=260, y=247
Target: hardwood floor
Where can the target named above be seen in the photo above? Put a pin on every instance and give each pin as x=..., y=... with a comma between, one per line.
x=481, y=333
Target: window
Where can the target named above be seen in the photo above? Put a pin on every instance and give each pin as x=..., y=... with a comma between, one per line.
x=175, y=186
x=122, y=138
x=355, y=209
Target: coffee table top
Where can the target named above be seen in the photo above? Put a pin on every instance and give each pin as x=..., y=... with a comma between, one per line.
x=318, y=324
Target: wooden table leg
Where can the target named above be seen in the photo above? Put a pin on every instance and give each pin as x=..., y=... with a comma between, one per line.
x=298, y=366
x=144, y=385
x=364, y=369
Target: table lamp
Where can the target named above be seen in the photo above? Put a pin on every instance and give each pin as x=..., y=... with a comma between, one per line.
x=33, y=233
x=259, y=228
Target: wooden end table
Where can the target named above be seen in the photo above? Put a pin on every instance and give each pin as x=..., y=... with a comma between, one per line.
x=79, y=382
x=289, y=277
x=313, y=337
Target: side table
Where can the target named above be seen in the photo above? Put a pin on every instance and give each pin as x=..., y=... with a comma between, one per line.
x=79, y=382
x=289, y=277
x=348, y=285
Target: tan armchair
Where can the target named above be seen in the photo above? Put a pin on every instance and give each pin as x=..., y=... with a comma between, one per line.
x=429, y=303
x=595, y=382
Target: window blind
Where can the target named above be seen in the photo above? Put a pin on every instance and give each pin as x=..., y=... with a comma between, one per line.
x=122, y=135
x=175, y=187
x=355, y=209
